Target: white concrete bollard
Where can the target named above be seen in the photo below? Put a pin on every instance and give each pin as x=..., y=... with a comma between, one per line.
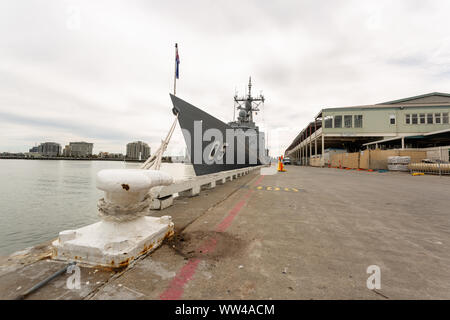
x=125, y=231
x=194, y=191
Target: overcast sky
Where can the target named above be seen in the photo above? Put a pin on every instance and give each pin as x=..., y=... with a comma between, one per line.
x=101, y=71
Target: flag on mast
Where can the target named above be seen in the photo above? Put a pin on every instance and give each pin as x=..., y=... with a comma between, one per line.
x=177, y=62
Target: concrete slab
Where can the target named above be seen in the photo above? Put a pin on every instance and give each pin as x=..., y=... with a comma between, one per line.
x=239, y=241
x=22, y=279
x=112, y=244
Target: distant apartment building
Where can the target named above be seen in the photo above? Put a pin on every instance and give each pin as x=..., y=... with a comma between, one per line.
x=138, y=150
x=66, y=151
x=109, y=155
x=78, y=149
x=34, y=150
x=48, y=149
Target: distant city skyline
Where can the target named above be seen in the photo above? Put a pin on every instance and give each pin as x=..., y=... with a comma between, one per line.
x=94, y=151
x=86, y=147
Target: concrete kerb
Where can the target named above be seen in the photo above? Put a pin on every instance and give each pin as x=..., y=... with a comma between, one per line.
x=191, y=187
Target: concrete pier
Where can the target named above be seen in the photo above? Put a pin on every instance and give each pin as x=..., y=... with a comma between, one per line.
x=308, y=233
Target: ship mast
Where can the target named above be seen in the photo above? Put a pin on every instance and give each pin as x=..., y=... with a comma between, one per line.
x=247, y=105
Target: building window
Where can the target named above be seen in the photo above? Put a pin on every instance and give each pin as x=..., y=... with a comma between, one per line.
x=348, y=121
x=408, y=119
x=358, y=121
x=328, y=122
x=414, y=118
x=338, y=121
x=422, y=118
x=429, y=118
x=437, y=118
x=392, y=119
x=445, y=117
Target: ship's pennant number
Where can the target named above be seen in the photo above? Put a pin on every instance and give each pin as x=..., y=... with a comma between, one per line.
x=271, y=188
x=231, y=149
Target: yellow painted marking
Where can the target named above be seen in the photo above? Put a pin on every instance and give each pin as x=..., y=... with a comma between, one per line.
x=277, y=188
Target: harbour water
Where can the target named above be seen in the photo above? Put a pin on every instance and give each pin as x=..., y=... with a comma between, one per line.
x=40, y=198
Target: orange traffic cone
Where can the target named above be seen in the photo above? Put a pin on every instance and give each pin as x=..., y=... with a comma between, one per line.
x=280, y=165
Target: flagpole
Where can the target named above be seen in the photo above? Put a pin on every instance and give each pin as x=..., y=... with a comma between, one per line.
x=175, y=72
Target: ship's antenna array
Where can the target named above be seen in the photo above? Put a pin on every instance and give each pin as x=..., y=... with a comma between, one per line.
x=248, y=104
x=234, y=108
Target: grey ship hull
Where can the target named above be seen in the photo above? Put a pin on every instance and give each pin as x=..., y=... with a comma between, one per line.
x=188, y=115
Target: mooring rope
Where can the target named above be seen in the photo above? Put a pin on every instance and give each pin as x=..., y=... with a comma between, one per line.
x=113, y=212
x=154, y=162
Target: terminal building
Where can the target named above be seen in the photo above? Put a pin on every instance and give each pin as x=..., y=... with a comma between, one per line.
x=137, y=150
x=420, y=121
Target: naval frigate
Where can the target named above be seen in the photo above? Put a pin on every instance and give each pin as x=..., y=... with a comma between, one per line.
x=214, y=146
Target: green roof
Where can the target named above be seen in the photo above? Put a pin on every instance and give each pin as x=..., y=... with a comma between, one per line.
x=417, y=97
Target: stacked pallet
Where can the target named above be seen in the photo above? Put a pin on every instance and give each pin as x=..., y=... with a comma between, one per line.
x=351, y=160
x=345, y=160
x=377, y=159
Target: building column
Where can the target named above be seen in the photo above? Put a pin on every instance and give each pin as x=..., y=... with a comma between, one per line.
x=310, y=150
x=315, y=136
x=315, y=144
x=310, y=144
x=306, y=154
x=304, y=150
x=305, y=162
x=323, y=151
x=403, y=142
x=301, y=155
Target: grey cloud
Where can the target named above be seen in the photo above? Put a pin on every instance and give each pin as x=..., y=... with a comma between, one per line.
x=88, y=131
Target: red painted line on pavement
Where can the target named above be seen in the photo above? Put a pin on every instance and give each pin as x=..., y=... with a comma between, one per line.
x=176, y=287
x=258, y=181
x=232, y=214
x=208, y=246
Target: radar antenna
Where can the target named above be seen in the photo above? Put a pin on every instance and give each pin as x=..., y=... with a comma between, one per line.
x=248, y=105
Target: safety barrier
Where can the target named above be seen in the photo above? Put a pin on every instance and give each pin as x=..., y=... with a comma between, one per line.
x=190, y=187
x=429, y=168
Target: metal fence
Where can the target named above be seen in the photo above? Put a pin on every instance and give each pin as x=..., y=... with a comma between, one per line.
x=430, y=168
